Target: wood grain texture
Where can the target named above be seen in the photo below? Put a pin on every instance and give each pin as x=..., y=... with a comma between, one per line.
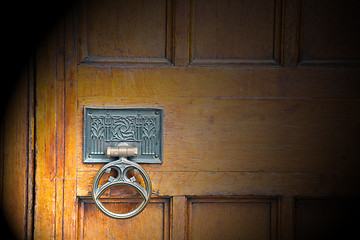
x=182, y=32
x=287, y=217
x=218, y=82
x=302, y=135
x=70, y=201
x=179, y=218
x=232, y=219
x=96, y=225
x=49, y=141
x=290, y=33
x=243, y=145
x=125, y=29
x=231, y=30
x=45, y=144
x=16, y=156
x=226, y=183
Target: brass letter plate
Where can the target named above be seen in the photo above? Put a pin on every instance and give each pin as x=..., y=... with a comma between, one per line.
x=110, y=127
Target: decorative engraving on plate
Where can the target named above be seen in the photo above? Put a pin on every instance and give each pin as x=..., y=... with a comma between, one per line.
x=122, y=128
x=149, y=137
x=142, y=127
x=97, y=135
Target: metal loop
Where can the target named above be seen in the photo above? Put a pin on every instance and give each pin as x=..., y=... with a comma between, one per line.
x=122, y=166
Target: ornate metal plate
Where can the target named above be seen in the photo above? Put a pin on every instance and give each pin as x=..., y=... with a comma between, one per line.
x=138, y=127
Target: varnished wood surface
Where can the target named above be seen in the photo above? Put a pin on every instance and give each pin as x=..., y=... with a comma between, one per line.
x=233, y=132
x=99, y=226
x=17, y=157
x=241, y=183
x=232, y=219
x=131, y=17
x=248, y=134
x=214, y=23
x=199, y=82
x=261, y=126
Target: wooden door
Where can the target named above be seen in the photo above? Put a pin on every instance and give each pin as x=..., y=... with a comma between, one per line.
x=261, y=118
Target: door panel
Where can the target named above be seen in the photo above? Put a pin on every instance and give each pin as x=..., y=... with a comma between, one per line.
x=250, y=38
x=153, y=223
x=232, y=218
x=249, y=135
x=119, y=31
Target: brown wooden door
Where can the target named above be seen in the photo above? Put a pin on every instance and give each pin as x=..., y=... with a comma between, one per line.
x=261, y=118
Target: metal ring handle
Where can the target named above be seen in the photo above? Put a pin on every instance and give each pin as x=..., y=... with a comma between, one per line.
x=122, y=166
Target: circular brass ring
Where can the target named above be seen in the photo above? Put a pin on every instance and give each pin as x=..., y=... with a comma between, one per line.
x=121, y=166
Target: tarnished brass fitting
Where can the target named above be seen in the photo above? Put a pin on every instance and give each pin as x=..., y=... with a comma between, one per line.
x=122, y=151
